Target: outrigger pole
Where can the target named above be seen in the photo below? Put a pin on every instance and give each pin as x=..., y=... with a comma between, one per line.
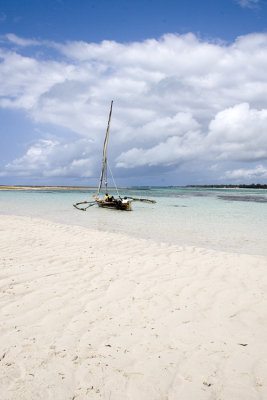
x=144, y=200
x=117, y=203
x=90, y=204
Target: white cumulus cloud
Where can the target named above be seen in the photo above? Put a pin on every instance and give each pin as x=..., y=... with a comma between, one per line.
x=176, y=99
x=239, y=133
x=21, y=41
x=48, y=157
x=242, y=174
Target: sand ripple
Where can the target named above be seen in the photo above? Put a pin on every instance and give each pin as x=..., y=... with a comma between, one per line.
x=90, y=315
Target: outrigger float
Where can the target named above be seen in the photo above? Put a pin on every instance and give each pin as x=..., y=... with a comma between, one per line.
x=117, y=203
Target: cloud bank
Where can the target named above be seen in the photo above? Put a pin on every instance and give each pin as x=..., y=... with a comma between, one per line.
x=179, y=103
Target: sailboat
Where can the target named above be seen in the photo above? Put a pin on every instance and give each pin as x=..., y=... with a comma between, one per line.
x=108, y=201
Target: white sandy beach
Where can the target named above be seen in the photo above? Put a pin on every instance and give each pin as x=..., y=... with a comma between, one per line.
x=91, y=315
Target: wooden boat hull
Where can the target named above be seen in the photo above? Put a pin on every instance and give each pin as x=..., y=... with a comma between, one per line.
x=109, y=201
x=117, y=205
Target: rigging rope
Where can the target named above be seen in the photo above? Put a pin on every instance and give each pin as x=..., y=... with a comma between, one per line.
x=113, y=179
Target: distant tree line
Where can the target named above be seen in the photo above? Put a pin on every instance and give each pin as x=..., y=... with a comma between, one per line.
x=240, y=186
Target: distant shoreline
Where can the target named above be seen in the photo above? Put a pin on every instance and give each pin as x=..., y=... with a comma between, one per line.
x=240, y=186
x=18, y=187
x=33, y=187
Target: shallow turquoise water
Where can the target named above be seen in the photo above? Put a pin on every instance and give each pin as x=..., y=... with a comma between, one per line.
x=225, y=219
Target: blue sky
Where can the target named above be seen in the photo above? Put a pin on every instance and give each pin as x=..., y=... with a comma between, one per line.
x=188, y=79
x=136, y=20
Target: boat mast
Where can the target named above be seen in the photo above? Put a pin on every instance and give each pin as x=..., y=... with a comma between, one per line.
x=104, y=166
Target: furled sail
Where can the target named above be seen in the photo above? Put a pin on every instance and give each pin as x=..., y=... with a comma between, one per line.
x=117, y=203
x=104, y=166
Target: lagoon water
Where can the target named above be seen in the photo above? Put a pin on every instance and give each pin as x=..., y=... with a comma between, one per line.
x=225, y=219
